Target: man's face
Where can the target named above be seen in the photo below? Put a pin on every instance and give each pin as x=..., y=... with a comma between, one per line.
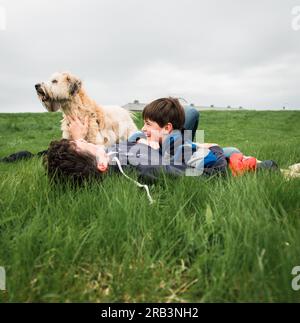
x=154, y=132
x=97, y=151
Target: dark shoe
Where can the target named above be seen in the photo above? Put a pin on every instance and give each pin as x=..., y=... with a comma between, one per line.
x=17, y=156
x=267, y=164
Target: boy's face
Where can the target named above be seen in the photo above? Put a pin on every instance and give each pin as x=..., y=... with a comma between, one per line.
x=97, y=151
x=154, y=132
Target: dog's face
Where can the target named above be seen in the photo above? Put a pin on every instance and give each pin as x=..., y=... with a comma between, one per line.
x=60, y=88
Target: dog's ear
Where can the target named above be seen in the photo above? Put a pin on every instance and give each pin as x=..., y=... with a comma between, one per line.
x=75, y=85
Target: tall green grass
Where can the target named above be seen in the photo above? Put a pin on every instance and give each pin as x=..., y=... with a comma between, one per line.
x=234, y=239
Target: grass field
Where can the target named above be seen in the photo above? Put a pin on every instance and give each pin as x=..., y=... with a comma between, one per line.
x=234, y=239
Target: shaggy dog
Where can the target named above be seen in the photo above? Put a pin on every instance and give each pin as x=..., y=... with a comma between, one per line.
x=107, y=126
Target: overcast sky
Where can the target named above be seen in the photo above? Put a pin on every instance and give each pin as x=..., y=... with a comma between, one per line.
x=221, y=52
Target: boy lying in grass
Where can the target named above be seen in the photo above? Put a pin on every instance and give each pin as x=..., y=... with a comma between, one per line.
x=162, y=146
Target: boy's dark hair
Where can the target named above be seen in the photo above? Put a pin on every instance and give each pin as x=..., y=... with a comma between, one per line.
x=63, y=163
x=165, y=110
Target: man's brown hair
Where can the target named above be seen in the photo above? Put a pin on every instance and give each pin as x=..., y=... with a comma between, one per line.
x=165, y=110
x=63, y=162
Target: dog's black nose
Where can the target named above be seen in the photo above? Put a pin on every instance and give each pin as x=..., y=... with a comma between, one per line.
x=37, y=86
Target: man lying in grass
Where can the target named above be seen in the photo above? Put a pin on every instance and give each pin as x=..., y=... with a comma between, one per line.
x=162, y=146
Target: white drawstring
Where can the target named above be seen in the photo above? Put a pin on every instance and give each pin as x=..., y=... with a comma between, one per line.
x=131, y=179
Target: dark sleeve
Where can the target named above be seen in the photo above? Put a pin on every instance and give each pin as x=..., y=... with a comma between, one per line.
x=150, y=174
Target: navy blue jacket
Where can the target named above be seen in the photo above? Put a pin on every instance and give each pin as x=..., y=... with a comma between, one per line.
x=171, y=158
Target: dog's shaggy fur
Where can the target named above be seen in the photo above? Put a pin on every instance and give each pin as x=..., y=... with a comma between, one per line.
x=107, y=126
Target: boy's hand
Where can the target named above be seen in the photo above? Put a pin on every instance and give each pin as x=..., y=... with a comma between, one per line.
x=77, y=129
x=152, y=144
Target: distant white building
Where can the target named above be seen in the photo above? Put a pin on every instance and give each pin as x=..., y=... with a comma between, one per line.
x=136, y=105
